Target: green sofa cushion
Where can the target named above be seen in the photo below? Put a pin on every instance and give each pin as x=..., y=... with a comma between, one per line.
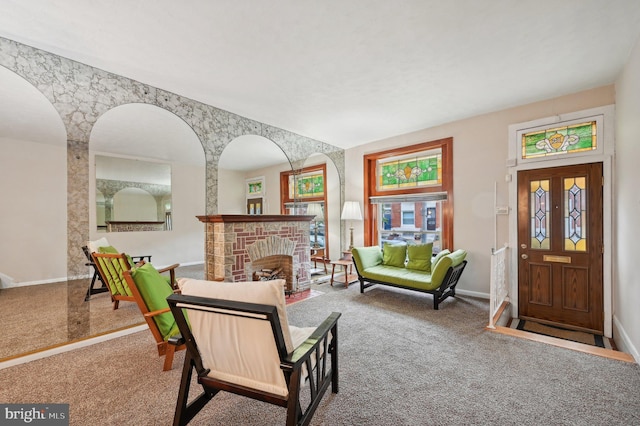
x=420, y=257
x=400, y=276
x=366, y=257
x=394, y=255
x=154, y=289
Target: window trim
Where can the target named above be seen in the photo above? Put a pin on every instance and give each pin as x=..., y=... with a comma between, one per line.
x=371, y=190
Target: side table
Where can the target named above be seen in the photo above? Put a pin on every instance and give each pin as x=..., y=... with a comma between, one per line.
x=347, y=264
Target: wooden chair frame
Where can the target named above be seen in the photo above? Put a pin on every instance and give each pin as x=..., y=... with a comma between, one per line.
x=108, y=275
x=96, y=277
x=99, y=276
x=164, y=349
x=312, y=354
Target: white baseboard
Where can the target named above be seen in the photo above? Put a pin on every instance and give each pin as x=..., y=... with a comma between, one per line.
x=7, y=282
x=463, y=292
x=192, y=263
x=14, y=284
x=71, y=346
x=623, y=342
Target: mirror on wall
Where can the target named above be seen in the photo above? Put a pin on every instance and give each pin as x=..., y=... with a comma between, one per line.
x=34, y=214
x=132, y=195
x=135, y=146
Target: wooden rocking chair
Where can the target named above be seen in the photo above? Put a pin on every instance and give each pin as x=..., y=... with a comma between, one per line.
x=238, y=340
x=150, y=291
x=102, y=246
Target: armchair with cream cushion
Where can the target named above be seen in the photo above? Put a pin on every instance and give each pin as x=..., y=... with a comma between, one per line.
x=238, y=339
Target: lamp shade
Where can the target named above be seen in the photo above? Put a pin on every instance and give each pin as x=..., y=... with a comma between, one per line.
x=351, y=211
x=316, y=210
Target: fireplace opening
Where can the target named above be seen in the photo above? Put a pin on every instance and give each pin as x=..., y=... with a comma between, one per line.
x=275, y=267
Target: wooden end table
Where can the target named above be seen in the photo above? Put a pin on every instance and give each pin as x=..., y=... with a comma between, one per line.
x=347, y=264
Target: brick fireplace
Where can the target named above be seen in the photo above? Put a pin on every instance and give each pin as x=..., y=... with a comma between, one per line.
x=241, y=247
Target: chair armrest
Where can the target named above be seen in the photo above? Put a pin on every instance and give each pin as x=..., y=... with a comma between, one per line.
x=306, y=348
x=172, y=274
x=169, y=268
x=158, y=312
x=137, y=259
x=176, y=340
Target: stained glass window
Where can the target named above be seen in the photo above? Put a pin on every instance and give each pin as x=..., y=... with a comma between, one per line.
x=540, y=215
x=306, y=185
x=560, y=140
x=423, y=169
x=575, y=214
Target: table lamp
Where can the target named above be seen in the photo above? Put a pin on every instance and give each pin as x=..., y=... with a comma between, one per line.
x=351, y=211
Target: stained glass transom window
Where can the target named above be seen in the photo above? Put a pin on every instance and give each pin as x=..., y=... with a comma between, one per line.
x=419, y=170
x=540, y=215
x=560, y=140
x=306, y=185
x=575, y=214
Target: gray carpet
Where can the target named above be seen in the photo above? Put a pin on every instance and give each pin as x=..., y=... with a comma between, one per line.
x=401, y=363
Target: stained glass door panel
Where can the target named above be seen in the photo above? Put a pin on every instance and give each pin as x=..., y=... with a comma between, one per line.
x=560, y=246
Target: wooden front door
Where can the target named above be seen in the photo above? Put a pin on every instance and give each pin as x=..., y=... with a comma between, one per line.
x=560, y=246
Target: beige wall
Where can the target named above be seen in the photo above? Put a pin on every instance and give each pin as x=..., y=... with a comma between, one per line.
x=626, y=280
x=231, y=192
x=480, y=151
x=33, y=218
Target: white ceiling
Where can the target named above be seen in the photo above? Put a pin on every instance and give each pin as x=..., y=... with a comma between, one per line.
x=344, y=72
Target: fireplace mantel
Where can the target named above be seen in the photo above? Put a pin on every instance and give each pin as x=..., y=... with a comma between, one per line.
x=229, y=236
x=223, y=218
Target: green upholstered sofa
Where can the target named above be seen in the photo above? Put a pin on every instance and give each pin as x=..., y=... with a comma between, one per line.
x=410, y=267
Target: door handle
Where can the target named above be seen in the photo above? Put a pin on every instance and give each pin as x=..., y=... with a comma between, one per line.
x=524, y=256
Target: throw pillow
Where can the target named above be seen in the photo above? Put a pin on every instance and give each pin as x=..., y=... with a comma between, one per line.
x=94, y=246
x=438, y=256
x=394, y=254
x=108, y=250
x=420, y=256
x=154, y=290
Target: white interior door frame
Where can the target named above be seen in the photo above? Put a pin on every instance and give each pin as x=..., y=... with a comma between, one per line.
x=605, y=118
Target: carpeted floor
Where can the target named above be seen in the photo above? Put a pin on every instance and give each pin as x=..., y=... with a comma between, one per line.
x=401, y=363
